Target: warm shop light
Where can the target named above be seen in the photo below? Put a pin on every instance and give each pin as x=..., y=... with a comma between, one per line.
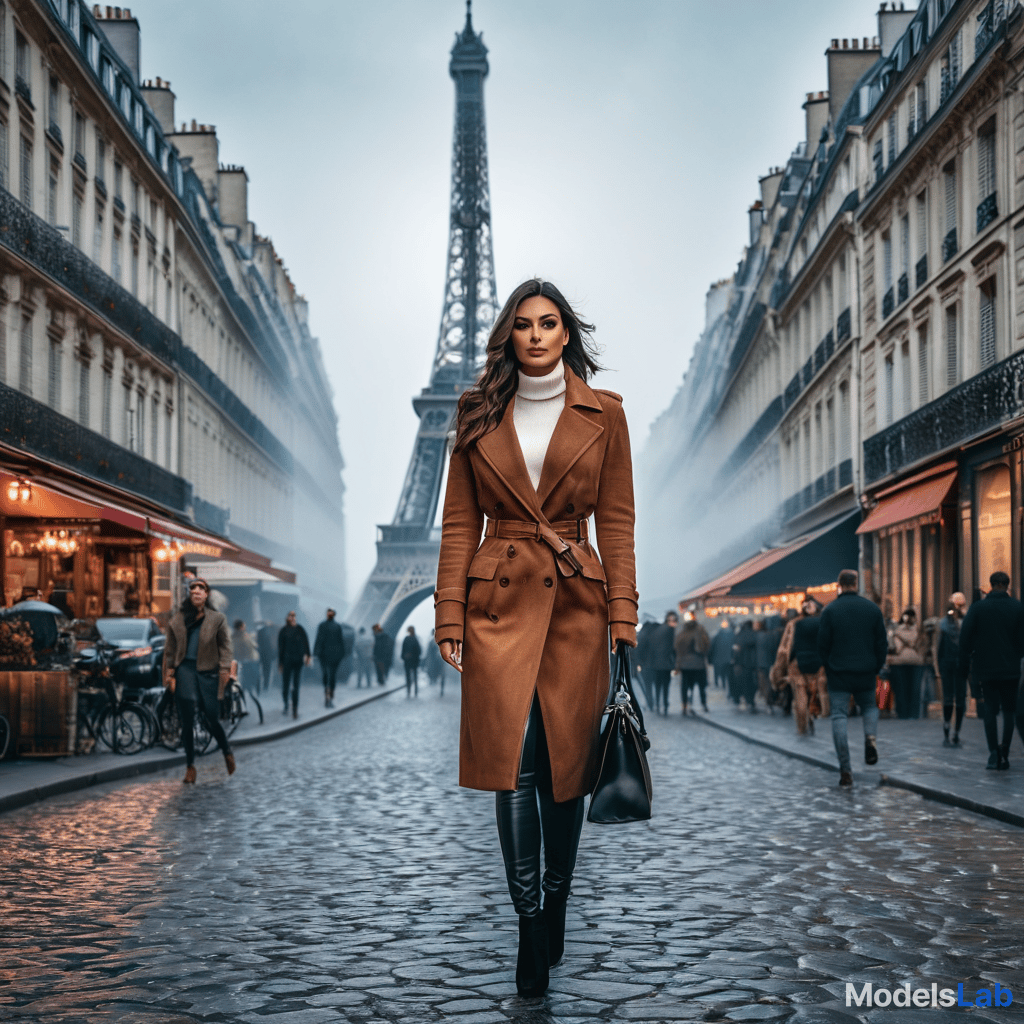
x=59, y=541
x=19, y=489
x=169, y=551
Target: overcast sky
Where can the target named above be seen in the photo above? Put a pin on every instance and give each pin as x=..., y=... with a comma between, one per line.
x=625, y=138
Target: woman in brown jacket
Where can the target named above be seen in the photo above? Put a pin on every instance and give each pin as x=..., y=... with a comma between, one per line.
x=197, y=661
x=525, y=612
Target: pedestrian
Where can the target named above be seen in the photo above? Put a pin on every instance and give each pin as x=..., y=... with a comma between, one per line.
x=383, y=652
x=528, y=624
x=329, y=649
x=721, y=653
x=764, y=655
x=197, y=662
x=947, y=657
x=243, y=646
x=364, y=657
x=411, y=654
x=992, y=645
x=292, y=655
x=691, y=648
x=433, y=664
x=805, y=671
x=661, y=656
x=643, y=645
x=266, y=643
x=744, y=666
x=852, y=645
x=905, y=660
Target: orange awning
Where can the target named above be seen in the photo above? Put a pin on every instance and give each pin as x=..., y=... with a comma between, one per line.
x=923, y=499
x=195, y=539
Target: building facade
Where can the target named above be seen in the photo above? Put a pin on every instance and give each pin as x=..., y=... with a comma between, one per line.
x=858, y=397
x=161, y=397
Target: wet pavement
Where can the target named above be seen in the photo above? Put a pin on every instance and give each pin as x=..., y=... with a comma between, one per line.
x=341, y=875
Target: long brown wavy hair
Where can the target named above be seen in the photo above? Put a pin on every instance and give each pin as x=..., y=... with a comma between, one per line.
x=482, y=407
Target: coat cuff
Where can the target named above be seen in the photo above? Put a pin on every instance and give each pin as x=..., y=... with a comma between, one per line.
x=449, y=621
x=622, y=609
x=625, y=631
x=456, y=594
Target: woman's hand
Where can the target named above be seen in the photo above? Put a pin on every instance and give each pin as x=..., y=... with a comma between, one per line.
x=451, y=652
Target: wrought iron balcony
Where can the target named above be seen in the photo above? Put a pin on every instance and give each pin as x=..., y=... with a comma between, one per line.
x=988, y=210
x=902, y=289
x=37, y=429
x=981, y=403
x=843, y=326
x=793, y=389
x=989, y=20
x=846, y=473
x=949, y=246
x=56, y=135
x=888, y=303
x=808, y=372
x=23, y=90
x=79, y=160
x=823, y=353
x=921, y=271
x=947, y=83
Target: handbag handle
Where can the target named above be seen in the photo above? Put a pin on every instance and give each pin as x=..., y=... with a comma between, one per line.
x=624, y=681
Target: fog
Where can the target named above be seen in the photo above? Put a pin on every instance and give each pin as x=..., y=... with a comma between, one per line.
x=625, y=139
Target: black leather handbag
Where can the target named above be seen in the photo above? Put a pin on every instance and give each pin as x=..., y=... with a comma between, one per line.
x=622, y=792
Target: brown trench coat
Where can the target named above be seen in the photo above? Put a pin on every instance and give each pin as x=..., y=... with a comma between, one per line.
x=214, y=646
x=525, y=624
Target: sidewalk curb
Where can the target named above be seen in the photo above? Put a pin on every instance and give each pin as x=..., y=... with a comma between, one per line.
x=132, y=768
x=928, y=792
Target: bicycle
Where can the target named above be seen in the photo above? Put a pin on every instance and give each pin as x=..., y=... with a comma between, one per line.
x=234, y=704
x=105, y=714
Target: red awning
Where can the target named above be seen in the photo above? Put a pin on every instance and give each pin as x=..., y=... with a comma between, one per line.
x=911, y=502
x=721, y=586
x=191, y=535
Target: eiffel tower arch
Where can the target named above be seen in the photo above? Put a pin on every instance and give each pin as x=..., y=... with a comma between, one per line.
x=408, y=546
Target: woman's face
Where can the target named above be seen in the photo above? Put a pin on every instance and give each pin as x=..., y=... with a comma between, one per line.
x=538, y=336
x=197, y=595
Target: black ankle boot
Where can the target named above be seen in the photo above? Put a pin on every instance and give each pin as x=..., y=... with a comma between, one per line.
x=532, y=966
x=554, y=919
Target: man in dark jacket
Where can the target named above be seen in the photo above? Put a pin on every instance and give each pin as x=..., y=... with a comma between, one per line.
x=691, y=646
x=292, y=654
x=744, y=666
x=329, y=649
x=992, y=642
x=411, y=654
x=266, y=642
x=852, y=644
x=383, y=652
x=721, y=653
x=641, y=656
x=661, y=656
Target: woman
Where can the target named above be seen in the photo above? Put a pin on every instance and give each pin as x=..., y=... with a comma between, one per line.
x=806, y=672
x=905, y=662
x=292, y=654
x=947, y=654
x=197, y=661
x=525, y=614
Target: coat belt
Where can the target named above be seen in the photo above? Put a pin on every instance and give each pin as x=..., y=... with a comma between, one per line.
x=572, y=529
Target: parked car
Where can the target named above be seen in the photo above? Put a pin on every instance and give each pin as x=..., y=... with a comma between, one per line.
x=140, y=650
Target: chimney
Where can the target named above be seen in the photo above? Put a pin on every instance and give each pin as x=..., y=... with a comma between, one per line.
x=122, y=32
x=770, y=187
x=157, y=93
x=893, y=21
x=199, y=142
x=756, y=214
x=847, y=61
x=233, y=189
x=816, y=110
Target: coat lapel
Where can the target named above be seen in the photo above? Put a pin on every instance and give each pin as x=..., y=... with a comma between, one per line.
x=574, y=434
x=500, y=448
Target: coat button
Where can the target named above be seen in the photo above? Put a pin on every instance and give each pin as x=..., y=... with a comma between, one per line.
x=548, y=581
x=511, y=551
x=570, y=508
x=499, y=506
x=503, y=581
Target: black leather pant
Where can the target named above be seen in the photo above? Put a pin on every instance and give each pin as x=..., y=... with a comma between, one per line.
x=529, y=815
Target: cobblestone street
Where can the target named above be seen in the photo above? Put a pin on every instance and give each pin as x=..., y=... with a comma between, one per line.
x=340, y=875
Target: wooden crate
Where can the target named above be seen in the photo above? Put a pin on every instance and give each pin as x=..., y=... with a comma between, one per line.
x=43, y=710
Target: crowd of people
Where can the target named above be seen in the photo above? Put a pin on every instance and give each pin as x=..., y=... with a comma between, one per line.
x=830, y=661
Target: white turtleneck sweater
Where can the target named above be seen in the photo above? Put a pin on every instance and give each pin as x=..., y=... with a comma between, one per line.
x=539, y=403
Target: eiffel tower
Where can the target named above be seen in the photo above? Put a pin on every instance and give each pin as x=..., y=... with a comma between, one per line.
x=407, y=548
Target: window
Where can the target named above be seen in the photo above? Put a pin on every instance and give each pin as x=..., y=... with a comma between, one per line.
x=5, y=180
x=921, y=105
x=26, y=171
x=877, y=158
x=830, y=311
x=83, y=390
x=949, y=243
x=949, y=73
x=891, y=139
x=844, y=294
x=101, y=159
x=886, y=261
x=53, y=103
x=987, y=324
x=128, y=419
x=97, y=235
x=135, y=198
x=140, y=423
x=135, y=270
x=987, y=205
x=25, y=356
x=921, y=216
x=118, y=180
x=80, y=136
x=844, y=422
x=115, y=256
x=807, y=453
x=994, y=521
x=108, y=396
x=819, y=460
x=905, y=381
x=889, y=393
x=22, y=62
x=952, y=342
x=77, y=204
x=53, y=190
x=54, y=376
x=154, y=427
x=92, y=50
x=923, y=391
x=830, y=419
